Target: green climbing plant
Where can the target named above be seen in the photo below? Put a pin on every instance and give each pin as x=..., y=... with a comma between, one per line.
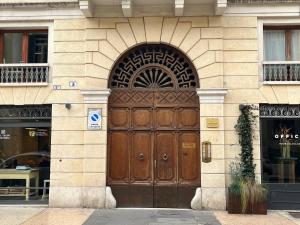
x=245, y=130
x=243, y=185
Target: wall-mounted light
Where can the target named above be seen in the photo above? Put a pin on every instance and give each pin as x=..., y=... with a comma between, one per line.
x=68, y=106
x=206, y=151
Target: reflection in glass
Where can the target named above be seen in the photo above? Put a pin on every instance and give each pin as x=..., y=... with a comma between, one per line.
x=280, y=150
x=13, y=47
x=24, y=150
x=38, y=48
x=274, y=38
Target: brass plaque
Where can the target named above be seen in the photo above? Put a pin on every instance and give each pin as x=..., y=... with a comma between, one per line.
x=212, y=122
x=188, y=145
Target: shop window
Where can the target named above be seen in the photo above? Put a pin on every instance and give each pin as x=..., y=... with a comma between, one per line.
x=23, y=46
x=280, y=144
x=25, y=146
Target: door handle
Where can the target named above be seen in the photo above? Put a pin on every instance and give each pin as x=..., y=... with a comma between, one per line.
x=165, y=157
x=141, y=157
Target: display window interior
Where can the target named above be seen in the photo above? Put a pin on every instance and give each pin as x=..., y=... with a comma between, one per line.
x=280, y=141
x=25, y=148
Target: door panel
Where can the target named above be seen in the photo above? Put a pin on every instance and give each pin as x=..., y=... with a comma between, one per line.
x=166, y=157
x=141, y=157
x=120, y=192
x=119, y=118
x=141, y=195
x=185, y=194
x=188, y=118
x=165, y=196
x=142, y=118
x=188, y=157
x=153, y=156
x=165, y=118
x=119, y=152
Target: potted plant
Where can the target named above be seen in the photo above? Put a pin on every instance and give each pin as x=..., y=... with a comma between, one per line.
x=245, y=195
x=253, y=197
x=234, y=190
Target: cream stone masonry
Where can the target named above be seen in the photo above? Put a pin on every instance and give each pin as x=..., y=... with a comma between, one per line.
x=105, y=40
x=223, y=49
x=213, y=173
x=94, y=167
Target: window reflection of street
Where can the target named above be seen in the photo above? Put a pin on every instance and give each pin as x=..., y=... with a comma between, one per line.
x=25, y=151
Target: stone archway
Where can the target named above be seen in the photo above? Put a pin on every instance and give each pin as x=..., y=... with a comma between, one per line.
x=153, y=128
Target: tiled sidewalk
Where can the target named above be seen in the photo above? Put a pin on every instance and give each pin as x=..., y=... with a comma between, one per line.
x=273, y=218
x=17, y=215
x=51, y=216
x=60, y=217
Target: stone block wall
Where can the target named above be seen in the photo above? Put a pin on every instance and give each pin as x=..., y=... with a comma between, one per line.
x=224, y=51
x=85, y=51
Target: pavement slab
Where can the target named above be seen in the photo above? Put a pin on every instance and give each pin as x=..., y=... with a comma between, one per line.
x=272, y=218
x=17, y=215
x=56, y=216
x=151, y=217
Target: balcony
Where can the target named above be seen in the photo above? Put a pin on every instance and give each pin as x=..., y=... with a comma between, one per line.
x=24, y=74
x=262, y=1
x=285, y=72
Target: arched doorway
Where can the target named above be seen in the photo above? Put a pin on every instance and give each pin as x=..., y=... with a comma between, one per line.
x=153, y=128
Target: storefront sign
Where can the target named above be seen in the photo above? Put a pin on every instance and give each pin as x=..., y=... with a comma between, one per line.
x=286, y=136
x=212, y=122
x=94, y=119
x=4, y=135
x=38, y=133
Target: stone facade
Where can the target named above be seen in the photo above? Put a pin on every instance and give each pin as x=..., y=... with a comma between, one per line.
x=224, y=50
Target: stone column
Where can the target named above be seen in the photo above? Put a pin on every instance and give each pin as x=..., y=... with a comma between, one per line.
x=95, y=150
x=213, y=173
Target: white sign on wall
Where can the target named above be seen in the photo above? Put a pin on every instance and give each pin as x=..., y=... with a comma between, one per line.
x=4, y=135
x=94, y=119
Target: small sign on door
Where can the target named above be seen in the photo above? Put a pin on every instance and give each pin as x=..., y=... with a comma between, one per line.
x=94, y=119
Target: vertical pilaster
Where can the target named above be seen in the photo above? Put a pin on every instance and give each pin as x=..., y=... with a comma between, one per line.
x=213, y=173
x=95, y=149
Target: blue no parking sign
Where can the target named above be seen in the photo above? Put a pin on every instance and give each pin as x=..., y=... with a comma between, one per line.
x=94, y=119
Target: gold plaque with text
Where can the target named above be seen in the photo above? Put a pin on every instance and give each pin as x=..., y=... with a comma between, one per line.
x=188, y=145
x=212, y=122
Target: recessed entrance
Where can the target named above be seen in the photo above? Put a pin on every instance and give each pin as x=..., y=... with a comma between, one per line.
x=153, y=140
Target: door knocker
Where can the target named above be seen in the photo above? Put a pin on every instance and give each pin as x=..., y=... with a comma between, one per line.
x=141, y=157
x=165, y=157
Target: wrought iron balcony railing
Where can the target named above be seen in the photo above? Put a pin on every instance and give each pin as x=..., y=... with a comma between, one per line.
x=285, y=71
x=263, y=1
x=26, y=74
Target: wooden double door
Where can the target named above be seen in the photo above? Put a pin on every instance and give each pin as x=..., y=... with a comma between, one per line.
x=153, y=147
